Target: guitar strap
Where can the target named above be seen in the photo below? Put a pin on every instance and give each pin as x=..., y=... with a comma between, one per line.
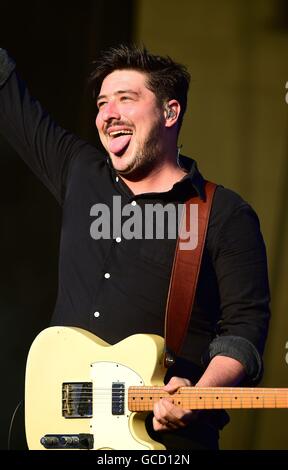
x=185, y=271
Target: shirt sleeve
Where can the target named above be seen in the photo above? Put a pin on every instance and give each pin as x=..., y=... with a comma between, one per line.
x=43, y=144
x=241, y=268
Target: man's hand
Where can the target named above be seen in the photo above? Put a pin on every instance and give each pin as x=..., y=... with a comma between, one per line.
x=168, y=417
x=222, y=371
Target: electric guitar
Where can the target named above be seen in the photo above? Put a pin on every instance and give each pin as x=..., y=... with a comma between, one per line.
x=82, y=393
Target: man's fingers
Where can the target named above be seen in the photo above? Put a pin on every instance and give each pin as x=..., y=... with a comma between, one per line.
x=169, y=415
x=167, y=426
x=175, y=383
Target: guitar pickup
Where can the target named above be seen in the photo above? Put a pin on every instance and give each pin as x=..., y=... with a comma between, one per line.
x=118, y=398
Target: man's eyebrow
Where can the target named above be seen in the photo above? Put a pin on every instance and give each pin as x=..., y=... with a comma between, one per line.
x=119, y=92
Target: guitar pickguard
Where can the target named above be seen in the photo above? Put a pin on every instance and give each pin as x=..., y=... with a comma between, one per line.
x=111, y=415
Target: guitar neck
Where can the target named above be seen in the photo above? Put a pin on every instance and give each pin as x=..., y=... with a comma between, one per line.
x=199, y=398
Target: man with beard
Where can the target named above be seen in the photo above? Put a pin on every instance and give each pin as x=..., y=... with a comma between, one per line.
x=117, y=285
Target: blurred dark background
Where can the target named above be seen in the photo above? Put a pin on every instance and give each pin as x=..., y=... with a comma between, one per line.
x=236, y=128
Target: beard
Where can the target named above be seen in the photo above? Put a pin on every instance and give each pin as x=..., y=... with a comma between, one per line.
x=146, y=158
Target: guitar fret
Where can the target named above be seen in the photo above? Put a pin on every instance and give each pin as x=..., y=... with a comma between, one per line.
x=143, y=398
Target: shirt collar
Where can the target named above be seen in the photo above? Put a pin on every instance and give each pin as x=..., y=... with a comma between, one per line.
x=193, y=175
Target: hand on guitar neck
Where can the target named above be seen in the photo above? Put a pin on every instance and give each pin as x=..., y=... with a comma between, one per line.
x=168, y=416
x=222, y=371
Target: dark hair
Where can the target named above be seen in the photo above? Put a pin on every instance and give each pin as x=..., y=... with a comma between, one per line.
x=165, y=78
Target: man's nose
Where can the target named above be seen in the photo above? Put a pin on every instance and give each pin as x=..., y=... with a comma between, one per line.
x=110, y=111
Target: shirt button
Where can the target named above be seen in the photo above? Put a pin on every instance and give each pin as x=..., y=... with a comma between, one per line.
x=107, y=276
x=97, y=314
x=117, y=179
x=134, y=203
x=118, y=240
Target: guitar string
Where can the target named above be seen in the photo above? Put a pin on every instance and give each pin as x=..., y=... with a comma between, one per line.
x=272, y=400
x=177, y=397
x=264, y=399
x=196, y=390
x=189, y=404
x=160, y=392
x=179, y=401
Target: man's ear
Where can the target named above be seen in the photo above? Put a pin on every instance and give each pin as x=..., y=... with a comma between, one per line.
x=171, y=112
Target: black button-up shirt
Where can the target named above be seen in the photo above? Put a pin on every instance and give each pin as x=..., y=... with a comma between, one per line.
x=116, y=287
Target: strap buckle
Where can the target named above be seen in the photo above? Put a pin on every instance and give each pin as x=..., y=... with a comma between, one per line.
x=169, y=359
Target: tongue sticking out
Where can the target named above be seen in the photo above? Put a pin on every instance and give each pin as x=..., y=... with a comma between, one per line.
x=119, y=144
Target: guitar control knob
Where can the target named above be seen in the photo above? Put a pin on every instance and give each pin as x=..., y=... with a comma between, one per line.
x=66, y=440
x=75, y=440
x=49, y=441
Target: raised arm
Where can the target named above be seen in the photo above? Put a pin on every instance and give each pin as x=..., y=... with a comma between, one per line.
x=44, y=145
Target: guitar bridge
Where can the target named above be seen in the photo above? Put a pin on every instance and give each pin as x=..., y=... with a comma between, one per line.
x=77, y=400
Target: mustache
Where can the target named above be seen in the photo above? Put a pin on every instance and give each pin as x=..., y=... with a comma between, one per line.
x=116, y=122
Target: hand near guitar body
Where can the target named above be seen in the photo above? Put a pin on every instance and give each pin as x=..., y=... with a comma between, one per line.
x=222, y=371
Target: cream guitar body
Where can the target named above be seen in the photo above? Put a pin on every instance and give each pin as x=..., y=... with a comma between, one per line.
x=82, y=393
x=60, y=356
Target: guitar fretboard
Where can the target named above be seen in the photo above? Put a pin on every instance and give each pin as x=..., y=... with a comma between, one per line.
x=199, y=398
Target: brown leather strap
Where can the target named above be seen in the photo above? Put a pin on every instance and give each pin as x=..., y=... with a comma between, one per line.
x=185, y=271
